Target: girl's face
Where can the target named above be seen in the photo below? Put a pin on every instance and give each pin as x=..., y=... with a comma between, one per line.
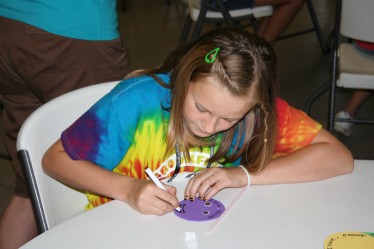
x=209, y=108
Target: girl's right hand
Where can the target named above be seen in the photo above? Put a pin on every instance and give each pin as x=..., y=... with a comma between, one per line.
x=142, y=195
x=145, y=197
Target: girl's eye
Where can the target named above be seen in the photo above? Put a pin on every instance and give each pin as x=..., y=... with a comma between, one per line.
x=199, y=109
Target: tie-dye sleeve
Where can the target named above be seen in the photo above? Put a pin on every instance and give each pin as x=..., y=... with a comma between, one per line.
x=106, y=132
x=295, y=129
x=98, y=136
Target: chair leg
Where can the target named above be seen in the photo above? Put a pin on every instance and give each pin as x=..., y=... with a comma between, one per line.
x=202, y=15
x=334, y=67
x=200, y=20
x=331, y=108
x=315, y=95
x=316, y=26
x=186, y=29
x=32, y=187
x=226, y=14
x=331, y=83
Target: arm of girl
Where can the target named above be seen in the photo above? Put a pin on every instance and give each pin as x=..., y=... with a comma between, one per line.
x=142, y=195
x=325, y=157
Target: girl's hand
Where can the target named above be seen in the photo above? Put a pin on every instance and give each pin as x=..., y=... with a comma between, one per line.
x=209, y=182
x=145, y=197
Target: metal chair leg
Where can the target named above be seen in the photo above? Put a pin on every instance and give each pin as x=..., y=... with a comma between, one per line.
x=316, y=26
x=226, y=14
x=334, y=68
x=186, y=29
x=316, y=95
x=200, y=20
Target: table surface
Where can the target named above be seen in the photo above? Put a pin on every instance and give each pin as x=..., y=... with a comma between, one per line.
x=281, y=216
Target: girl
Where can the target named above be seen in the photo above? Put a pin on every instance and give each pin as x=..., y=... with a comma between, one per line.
x=209, y=108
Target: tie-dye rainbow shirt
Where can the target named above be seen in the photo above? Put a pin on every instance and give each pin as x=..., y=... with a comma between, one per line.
x=125, y=132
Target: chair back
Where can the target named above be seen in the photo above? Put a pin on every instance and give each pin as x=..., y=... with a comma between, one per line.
x=202, y=12
x=245, y=13
x=53, y=201
x=356, y=69
x=357, y=19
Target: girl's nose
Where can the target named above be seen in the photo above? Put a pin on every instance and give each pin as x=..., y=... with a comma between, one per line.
x=209, y=125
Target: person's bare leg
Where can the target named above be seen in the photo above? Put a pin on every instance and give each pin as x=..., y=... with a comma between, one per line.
x=262, y=26
x=356, y=101
x=17, y=224
x=284, y=13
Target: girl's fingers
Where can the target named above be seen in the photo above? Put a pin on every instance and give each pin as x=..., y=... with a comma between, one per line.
x=204, y=185
x=171, y=189
x=211, y=181
x=151, y=199
x=168, y=197
x=194, y=185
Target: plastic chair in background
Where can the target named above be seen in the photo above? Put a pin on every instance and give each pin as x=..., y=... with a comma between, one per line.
x=202, y=12
x=53, y=202
x=349, y=67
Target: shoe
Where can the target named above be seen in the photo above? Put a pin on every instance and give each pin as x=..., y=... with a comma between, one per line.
x=344, y=128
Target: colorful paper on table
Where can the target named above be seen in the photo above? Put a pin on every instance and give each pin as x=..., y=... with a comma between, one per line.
x=350, y=240
x=199, y=210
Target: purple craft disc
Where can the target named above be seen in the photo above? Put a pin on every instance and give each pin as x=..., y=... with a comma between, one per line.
x=199, y=210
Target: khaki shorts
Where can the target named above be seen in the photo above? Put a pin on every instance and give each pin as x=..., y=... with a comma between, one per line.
x=37, y=66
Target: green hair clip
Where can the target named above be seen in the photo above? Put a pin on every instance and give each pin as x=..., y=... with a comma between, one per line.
x=211, y=56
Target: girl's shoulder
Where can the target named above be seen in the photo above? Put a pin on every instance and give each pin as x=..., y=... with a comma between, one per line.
x=139, y=92
x=143, y=84
x=139, y=89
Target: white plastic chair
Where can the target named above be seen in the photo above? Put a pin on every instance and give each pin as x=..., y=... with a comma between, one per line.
x=53, y=202
x=201, y=13
x=350, y=67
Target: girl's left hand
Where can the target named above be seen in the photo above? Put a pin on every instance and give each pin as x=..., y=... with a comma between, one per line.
x=210, y=181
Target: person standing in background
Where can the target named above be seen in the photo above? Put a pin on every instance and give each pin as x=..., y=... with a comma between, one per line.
x=48, y=48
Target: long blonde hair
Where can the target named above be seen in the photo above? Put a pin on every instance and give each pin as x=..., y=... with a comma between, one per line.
x=246, y=66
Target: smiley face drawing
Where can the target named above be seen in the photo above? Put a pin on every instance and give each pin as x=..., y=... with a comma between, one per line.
x=199, y=210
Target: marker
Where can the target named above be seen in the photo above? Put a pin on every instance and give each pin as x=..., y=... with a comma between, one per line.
x=158, y=183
